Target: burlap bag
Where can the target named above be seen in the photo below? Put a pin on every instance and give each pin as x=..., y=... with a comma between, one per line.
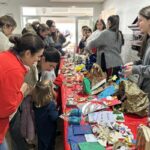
x=136, y=101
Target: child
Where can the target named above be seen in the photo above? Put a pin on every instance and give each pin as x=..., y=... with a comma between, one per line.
x=46, y=114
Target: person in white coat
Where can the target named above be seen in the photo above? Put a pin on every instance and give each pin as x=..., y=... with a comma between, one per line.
x=7, y=26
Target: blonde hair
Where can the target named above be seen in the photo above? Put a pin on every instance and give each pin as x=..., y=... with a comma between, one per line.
x=42, y=93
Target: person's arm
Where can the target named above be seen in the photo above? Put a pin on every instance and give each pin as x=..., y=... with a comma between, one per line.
x=66, y=44
x=100, y=40
x=142, y=70
x=81, y=44
x=52, y=111
x=68, y=34
x=12, y=93
x=52, y=90
x=62, y=38
x=5, y=44
x=93, y=36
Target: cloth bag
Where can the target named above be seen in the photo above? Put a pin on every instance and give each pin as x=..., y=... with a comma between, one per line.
x=27, y=123
x=135, y=100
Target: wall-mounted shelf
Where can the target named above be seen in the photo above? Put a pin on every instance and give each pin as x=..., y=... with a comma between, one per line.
x=137, y=36
x=3, y=2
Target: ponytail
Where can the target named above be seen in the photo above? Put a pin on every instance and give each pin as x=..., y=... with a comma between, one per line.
x=27, y=41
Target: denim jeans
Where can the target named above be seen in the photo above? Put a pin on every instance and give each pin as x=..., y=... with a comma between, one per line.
x=4, y=146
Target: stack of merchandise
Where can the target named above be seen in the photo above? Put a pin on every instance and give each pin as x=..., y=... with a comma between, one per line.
x=80, y=137
x=105, y=127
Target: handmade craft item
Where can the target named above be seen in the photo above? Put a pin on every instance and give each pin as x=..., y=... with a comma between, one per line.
x=96, y=75
x=143, y=138
x=90, y=107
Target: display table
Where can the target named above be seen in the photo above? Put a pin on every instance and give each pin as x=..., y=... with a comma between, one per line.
x=131, y=121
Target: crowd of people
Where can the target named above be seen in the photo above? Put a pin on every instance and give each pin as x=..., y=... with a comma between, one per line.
x=29, y=65
x=27, y=61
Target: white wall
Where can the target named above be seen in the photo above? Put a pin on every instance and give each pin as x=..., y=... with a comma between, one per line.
x=128, y=11
x=14, y=7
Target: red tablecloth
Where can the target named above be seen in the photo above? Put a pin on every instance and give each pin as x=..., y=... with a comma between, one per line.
x=131, y=121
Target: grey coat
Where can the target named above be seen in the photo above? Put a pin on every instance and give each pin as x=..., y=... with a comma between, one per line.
x=144, y=70
x=108, y=44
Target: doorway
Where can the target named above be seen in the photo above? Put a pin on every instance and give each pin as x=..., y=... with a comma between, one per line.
x=68, y=20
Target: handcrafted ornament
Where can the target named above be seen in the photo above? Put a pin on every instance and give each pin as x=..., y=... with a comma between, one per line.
x=79, y=67
x=71, y=102
x=81, y=99
x=96, y=75
x=110, y=101
x=75, y=112
x=101, y=133
x=119, y=117
x=114, y=78
x=74, y=120
x=90, y=107
x=119, y=145
x=124, y=131
x=86, y=86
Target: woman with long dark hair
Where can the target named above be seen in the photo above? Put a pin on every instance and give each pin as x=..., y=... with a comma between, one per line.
x=27, y=50
x=109, y=44
x=143, y=68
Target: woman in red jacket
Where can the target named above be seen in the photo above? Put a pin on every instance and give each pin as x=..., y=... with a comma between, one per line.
x=27, y=50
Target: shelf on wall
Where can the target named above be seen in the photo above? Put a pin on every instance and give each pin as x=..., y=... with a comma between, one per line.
x=137, y=35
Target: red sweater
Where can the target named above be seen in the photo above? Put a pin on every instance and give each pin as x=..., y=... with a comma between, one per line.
x=12, y=73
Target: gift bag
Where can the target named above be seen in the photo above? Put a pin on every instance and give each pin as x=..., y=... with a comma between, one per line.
x=143, y=138
x=135, y=101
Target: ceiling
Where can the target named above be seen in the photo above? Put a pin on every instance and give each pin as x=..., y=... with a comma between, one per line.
x=78, y=1
x=57, y=11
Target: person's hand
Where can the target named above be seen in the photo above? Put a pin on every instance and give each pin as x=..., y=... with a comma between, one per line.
x=129, y=64
x=128, y=70
x=96, y=66
x=25, y=88
x=83, y=38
